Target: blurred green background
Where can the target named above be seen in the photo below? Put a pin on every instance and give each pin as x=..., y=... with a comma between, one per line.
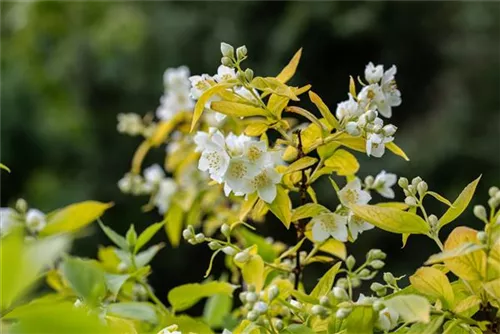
x=68, y=69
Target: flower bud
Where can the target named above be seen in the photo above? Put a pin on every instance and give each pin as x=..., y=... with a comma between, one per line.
x=389, y=278
x=21, y=205
x=251, y=287
x=243, y=297
x=260, y=307
x=295, y=304
x=350, y=262
x=251, y=297
x=214, y=245
x=411, y=201
x=364, y=273
x=480, y=212
x=433, y=221
x=378, y=305
x=389, y=130
x=318, y=310
x=361, y=121
x=422, y=188
x=493, y=191
x=187, y=234
x=226, y=61
x=200, y=237
x=225, y=230
x=412, y=189
x=376, y=128
x=376, y=286
x=252, y=315
x=342, y=283
x=493, y=202
x=403, y=182
x=78, y=303
x=241, y=52
x=227, y=50
x=324, y=301
x=482, y=237
x=416, y=181
x=273, y=292
x=355, y=282
x=340, y=293
x=369, y=181
x=371, y=115
x=377, y=264
x=229, y=250
x=249, y=74
x=278, y=324
x=342, y=313
x=352, y=129
x=242, y=257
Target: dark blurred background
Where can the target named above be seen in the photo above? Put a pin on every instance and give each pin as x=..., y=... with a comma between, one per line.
x=68, y=69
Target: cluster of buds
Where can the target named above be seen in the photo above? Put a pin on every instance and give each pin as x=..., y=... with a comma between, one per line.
x=33, y=220
x=391, y=283
x=415, y=191
x=133, y=125
x=366, y=271
x=189, y=235
x=259, y=307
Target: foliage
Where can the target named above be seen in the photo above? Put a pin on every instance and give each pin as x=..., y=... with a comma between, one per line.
x=235, y=154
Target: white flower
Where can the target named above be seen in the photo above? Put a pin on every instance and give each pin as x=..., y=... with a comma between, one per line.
x=176, y=78
x=224, y=73
x=174, y=102
x=236, y=144
x=256, y=153
x=392, y=96
x=353, y=194
x=368, y=96
x=35, y=220
x=199, y=84
x=329, y=224
x=357, y=225
x=375, y=144
x=387, y=319
x=239, y=175
x=162, y=199
x=215, y=162
x=130, y=124
x=154, y=174
x=348, y=109
x=213, y=140
x=265, y=184
x=383, y=183
x=373, y=73
x=7, y=220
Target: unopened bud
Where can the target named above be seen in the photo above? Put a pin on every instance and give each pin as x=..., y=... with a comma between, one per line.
x=340, y=293
x=295, y=304
x=371, y=115
x=226, y=61
x=214, y=245
x=187, y=234
x=241, y=52
x=200, y=237
x=378, y=305
x=21, y=205
x=389, y=278
x=352, y=129
x=377, y=264
x=251, y=297
x=350, y=262
x=229, y=250
x=416, y=181
x=273, y=292
x=364, y=273
x=389, y=130
x=355, y=282
x=249, y=74
x=260, y=307
x=376, y=287
x=225, y=230
x=482, y=237
x=403, y=182
x=411, y=201
x=278, y=324
x=412, y=189
x=324, y=301
x=422, y=188
x=227, y=50
x=433, y=221
x=480, y=212
x=252, y=315
x=243, y=297
x=342, y=283
x=369, y=180
x=493, y=202
x=375, y=254
x=318, y=310
x=342, y=313
x=493, y=191
x=242, y=257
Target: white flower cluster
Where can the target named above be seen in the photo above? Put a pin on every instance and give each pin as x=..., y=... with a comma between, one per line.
x=244, y=165
x=154, y=182
x=176, y=97
x=340, y=225
x=33, y=220
x=359, y=116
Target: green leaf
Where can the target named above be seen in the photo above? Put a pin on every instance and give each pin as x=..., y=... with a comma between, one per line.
x=301, y=164
x=115, y=237
x=282, y=206
x=2, y=166
x=273, y=86
x=216, y=309
x=361, y=320
x=396, y=150
x=289, y=70
x=74, y=217
x=326, y=151
x=147, y=234
x=188, y=325
x=114, y=282
x=434, y=283
x=202, y=101
x=131, y=237
x=253, y=272
x=85, y=278
x=185, y=296
x=411, y=308
x=439, y=198
x=460, y=203
x=334, y=247
x=326, y=282
x=462, y=249
x=391, y=219
x=297, y=329
x=144, y=257
x=431, y=328
x=343, y=163
x=256, y=128
x=308, y=210
x=134, y=310
x=264, y=248
x=174, y=221
x=276, y=104
x=237, y=109
x=324, y=110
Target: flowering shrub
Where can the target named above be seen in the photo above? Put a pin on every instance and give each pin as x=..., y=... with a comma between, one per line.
x=235, y=154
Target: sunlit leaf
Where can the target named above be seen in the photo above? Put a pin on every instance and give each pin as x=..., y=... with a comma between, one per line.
x=281, y=207
x=301, y=164
x=184, y=296
x=114, y=282
x=430, y=328
x=298, y=329
x=334, y=247
x=432, y=282
x=411, y=308
x=144, y=257
x=360, y=321
x=237, y=109
x=273, y=86
x=289, y=70
x=256, y=128
x=463, y=249
x=147, y=234
x=2, y=166
x=308, y=210
x=326, y=282
x=439, y=198
x=253, y=272
x=343, y=163
x=460, y=203
x=115, y=237
x=174, y=221
x=85, y=278
x=396, y=150
x=204, y=98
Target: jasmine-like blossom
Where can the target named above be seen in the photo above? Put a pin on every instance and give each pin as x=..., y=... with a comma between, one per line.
x=35, y=220
x=387, y=319
x=383, y=183
x=130, y=124
x=353, y=194
x=375, y=144
x=373, y=73
x=329, y=225
x=357, y=225
x=224, y=73
x=348, y=109
x=265, y=184
x=176, y=97
x=166, y=190
x=153, y=175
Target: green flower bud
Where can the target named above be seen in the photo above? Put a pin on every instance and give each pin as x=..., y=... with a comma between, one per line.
x=377, y=264
x=318, y=310
x=342, y=313
x=403, y=182
x=214, y=245
x=324, y=301
x=389, y=278
x=249, y=74
x=242, y=257
x=340, y=293
x=416, y=181
x=482, y=237
x=371, y=115
x=422, y=188
x=364, y=273
x=273, y=292
x=493, y=202
x=375, y=254
x=480, y=212
x=493, y=191
x=200, y=237
x=412, y=189
x=350, y=262
x=411, y=201
x=389, y=130
x=21, y=205
x=228, y=250
x=355, y=282
x=131, y=236
x=260, y=307
x=243, y=297
x=433, y=221
x=187, y=234
x=226, y=61
x=376, y=286
x=369, y=181
x=251, y=297
x=278, y=324
x=225, y=230
x=227, y=50
x=241, y=52
x=378, y=305
x=342, y=283
x=252, y=315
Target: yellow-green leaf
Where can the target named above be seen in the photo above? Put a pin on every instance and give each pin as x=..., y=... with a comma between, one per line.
x=343, y=163
x=273, y=86
x=361, y=320
x=354, y=143
x=301, y=164
x=463, y=249
x=395, y=205
x=237, y=109
x=391, y=219
x=467, y=305
x=204, y=98
x=289, y=70
x=256, y=128
x=184, y=296
x=139, y=155
x=324, y=110
x=460, y=203
x=253, y=272
x=281, y=207
x=186, y=324
x=411, y=308
x=432, y=282
x=74, y=217
x=439, y=198
x=276, y=104
x=163, y=130
x=334, y=247
x=352, y=87
x=396, y=150
x=2, y=166
x=147, y=234
x=308, y=210
x=326, y=282
x=493, y=289
x=248, y=205
x=174, y=221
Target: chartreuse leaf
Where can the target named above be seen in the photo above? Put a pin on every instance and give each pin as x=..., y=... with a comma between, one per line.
x=74, y=217
x=343, y=163
x=146, y=235
x=471, y=266
x=186, y=324
x=256, y=128
x=432, y=282
x=22, y=263
x=144, y=257
x=113, y=236
x=2, y=166
x=494, y=261
x=439, y=198
x=396, y=205
x=468, y=306
x=460, y=203
x=142, y=311
x=430, y=328
x=273, y=86
x=114, y=282
x=361, y=320
x=164, y=128
x=289, y=70
x=281, y=207
x=185, y=296
x=324, y=110
x=237, y=109
x=411, y=308
x=301, y=164
x=202, y=101
x=276, y=104
x=391, y=219
x=397, y=150
x=463, y=249
x=354, y=143
x=174, y=221
x=253, y=272
x=308, y=210
x=326, y=282
x=297, y=329
x=493, y=289
x=85, y=278
x=334, y=247
x=248, y=205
